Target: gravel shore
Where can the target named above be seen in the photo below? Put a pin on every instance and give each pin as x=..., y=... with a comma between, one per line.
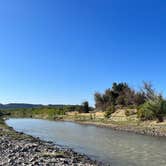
x=18, y=149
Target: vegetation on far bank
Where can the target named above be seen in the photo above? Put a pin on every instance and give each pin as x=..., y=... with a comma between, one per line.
x=119, y=104
x=149, y=104
x=48, y=112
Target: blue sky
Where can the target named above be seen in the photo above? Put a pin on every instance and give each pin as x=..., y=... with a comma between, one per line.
x=61, y=51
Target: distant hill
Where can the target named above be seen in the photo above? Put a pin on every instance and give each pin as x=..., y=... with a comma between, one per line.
x=18, y=105
x=24, y=105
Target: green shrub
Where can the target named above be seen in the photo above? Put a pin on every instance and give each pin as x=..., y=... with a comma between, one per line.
x=109, y=111
x=153, y=109
x=145, y=113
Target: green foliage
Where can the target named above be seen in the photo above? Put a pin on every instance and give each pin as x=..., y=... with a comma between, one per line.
x=49, y=112
x=38, y=112
x=119, y=87
x=119, y=95
x=155, y=105
x=85, y=107
x=148, y=91
x=151, y=104
x=153, y=109
x=99, y=101
x=145, y=113
x=139, y=98
x=109, y=111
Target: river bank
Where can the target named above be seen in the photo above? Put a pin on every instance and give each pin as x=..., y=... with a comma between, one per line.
x=119, y=121
x=100, y=143
x=149, y=130
x=21, y=149
x=144, y=128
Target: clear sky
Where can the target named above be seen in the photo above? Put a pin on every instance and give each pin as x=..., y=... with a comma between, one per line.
x=62, y=51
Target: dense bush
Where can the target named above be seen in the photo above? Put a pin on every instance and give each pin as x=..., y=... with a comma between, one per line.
x=120, y=95
x=49, y=111
x=35, y=112
x=153, y=109
x=85, y=108
x=151, y=104
x=154, y=106
x=145, y=113
x=109, y=111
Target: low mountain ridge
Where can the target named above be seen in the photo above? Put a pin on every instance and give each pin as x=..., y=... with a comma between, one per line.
x=18, y=105
x=11, y=106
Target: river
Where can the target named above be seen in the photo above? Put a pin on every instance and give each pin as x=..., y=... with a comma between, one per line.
x=115, y=147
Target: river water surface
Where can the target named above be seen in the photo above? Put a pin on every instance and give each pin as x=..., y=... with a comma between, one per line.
x=115, y=147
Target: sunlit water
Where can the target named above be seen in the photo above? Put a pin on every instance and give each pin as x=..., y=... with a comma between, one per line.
x=116, y=147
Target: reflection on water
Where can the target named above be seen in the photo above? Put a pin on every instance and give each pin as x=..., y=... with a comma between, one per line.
x=116, y=147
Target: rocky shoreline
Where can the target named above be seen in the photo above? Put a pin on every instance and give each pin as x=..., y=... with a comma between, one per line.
x=18, y=149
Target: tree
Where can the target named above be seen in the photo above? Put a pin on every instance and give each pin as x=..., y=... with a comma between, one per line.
x=99, y=102
x=119, y=87
x=120, y=94
x=139, y=98
x=111, y=97
x=154, y=106
x=85, y=107
x=148, y=91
